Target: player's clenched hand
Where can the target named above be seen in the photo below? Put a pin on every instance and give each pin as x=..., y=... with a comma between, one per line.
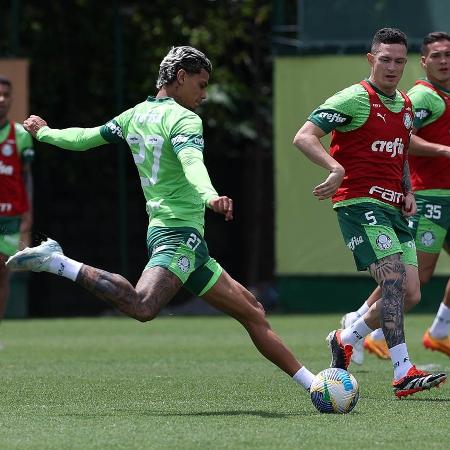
x=409, y=207
x=330, y=185
x=33, y=124
x=222, y=205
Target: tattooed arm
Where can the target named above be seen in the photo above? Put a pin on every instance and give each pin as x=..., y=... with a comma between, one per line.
x=409, y=207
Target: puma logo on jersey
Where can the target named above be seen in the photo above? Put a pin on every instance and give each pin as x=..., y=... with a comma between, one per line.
x=395, y=147
x=382, y=117
x=6, y=170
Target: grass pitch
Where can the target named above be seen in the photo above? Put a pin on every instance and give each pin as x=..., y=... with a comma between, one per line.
x=198, y=383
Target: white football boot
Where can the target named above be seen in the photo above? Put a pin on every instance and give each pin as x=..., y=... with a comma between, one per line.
x=34, y=259
x=358, y=351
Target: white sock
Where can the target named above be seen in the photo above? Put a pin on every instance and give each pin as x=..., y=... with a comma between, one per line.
x=377, y=335
x=441, y=324
x=357, y=331
x=400, y=360
x=304, y=377
x=363, y=309
x=64, y=267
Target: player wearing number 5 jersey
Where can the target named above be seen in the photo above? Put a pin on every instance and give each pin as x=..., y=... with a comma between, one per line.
x=430, y=175
x=369, y=184
x=166, y=140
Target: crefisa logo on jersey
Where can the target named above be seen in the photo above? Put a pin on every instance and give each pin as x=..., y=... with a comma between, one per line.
x=408, y=120
x=7, y=150
x=427, y=238
x=183, y=263
x=384, y=242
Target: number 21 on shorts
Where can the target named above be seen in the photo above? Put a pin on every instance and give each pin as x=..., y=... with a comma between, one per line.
x=193, y=241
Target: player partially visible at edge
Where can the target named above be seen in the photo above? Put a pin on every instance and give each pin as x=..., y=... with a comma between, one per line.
x=370, y=186
x=16, y=217
x=165, y=138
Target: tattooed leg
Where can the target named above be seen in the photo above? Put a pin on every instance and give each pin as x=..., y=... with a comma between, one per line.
x=390, y=274
x=156, y=287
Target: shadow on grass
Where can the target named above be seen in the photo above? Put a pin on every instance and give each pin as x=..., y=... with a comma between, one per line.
x=261, y=414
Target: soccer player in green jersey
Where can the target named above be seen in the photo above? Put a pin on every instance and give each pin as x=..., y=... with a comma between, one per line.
x=166, y=141
x=16, y=154
x=370, y=187
x=430, y=170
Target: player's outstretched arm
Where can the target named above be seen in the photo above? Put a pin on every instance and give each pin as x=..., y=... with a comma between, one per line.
x=69, y=138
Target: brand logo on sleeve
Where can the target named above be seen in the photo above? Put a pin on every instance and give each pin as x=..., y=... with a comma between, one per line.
x=180, y=139
x=422, y=114
x=114, y=129
x=332, y=117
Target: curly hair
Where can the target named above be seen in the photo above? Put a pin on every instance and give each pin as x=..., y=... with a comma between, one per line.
x=188, y=58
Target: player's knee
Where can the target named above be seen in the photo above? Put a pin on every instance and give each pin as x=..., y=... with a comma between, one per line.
x=145, y=310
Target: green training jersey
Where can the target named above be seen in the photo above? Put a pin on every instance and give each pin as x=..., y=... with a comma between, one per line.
x=24, y=141
x=349, y=109
x=158, y=132
x=428, y=105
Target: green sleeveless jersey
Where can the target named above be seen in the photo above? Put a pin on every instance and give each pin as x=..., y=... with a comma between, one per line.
x=156, y=131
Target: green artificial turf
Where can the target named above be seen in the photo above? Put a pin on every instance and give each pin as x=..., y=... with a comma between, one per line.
x=198, y=383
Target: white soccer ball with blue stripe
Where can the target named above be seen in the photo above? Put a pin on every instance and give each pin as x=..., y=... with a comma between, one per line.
x=334, y=391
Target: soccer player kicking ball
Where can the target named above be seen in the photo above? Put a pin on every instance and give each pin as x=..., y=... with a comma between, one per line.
x=165, y=138
x=370, y=187
x=430, y=176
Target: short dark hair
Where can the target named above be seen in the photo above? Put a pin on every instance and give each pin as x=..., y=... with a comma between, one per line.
x=188, y=58
x=5, y=80
x=388, y=36
x=435, y=36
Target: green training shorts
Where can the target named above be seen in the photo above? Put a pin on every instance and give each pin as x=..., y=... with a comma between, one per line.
x=9, y=235
x=184, y=252
x=431, y=223
x=372, y=232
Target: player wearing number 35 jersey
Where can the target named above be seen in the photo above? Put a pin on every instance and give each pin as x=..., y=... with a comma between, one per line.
x=166, y=141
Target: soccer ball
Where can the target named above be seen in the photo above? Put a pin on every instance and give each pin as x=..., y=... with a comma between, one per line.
x=334, y=391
